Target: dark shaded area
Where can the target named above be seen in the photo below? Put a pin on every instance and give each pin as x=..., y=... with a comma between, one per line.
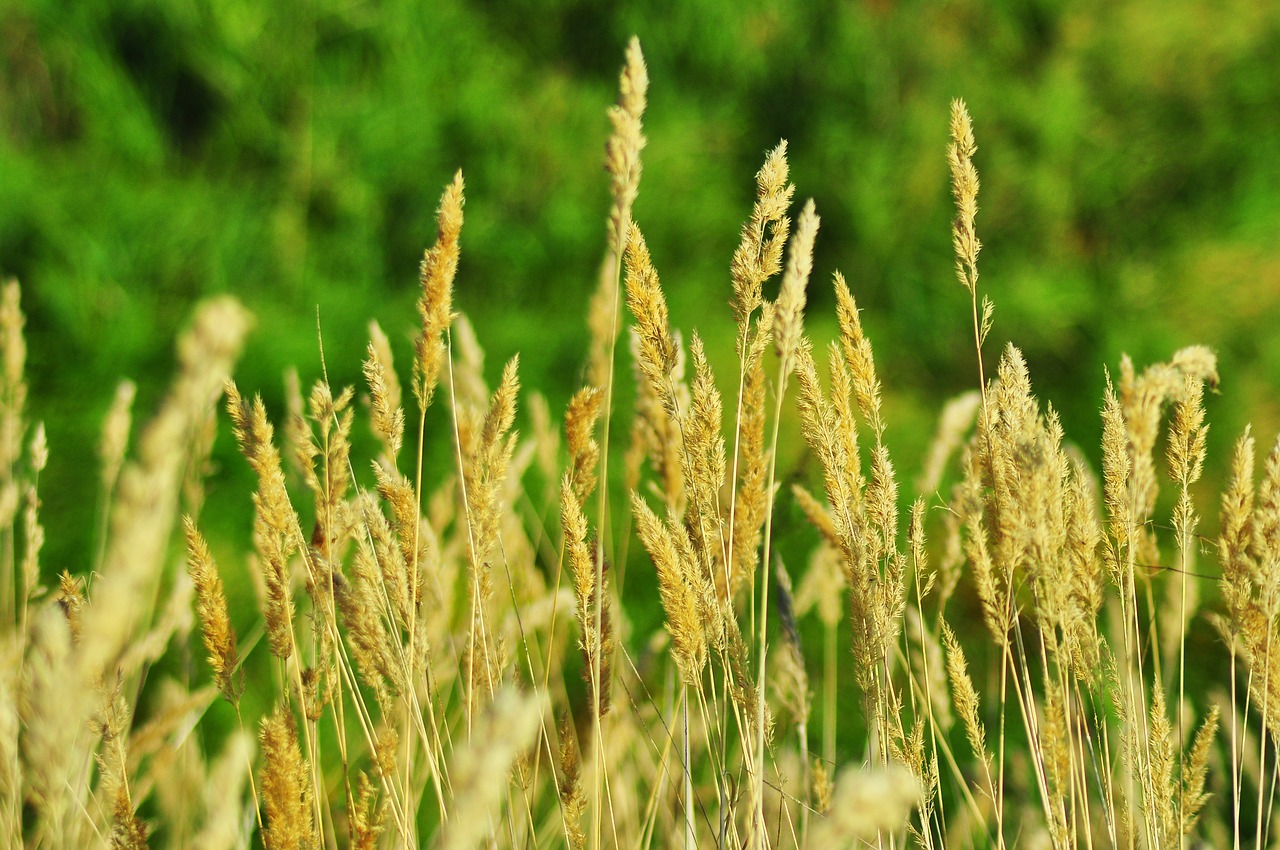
x=161, y=63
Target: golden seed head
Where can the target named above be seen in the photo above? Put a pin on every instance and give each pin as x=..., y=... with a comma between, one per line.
x=435, y=304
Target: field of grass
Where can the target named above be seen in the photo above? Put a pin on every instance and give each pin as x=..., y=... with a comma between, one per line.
x=700, y=606
x=157, y=152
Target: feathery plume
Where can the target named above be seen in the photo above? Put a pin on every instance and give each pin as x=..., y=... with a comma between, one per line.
x=32, y=531
x=789, y=319
x=286, y=789
x=1142, y=401
x=147, y=498
x=52, y=723
x=572, y=799
x=679, y=598
x=623, y=163
x=622, y=154
x=435, y=304
x=758, y=256
x=70, y=599
x=752, y=499
x=223, y=796
x=584, y=452
x=704, y=458
x=957, y=418
x=817, y=514
x=211, y=606
x=574, y=525
x=964, y=186
x=301, y=450
x=333, y=419
x=384, y=393
x=858, y=357
x=654, y=433
x=823, y=585
x=364, y=611
x=276, y=533
x=115, y=434
x=485, y=464
x=1194, y=795
x=128, y=831
x=657, y=352
x=13, y=383
x=407, y=523
x=866, y=804
x=479, y=772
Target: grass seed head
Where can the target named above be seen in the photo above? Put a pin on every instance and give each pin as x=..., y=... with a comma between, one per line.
x=435, y=303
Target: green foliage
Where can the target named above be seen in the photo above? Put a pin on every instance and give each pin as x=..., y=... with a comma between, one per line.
x=291, y=153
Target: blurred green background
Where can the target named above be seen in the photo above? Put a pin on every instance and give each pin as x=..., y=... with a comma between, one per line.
x=292, y=154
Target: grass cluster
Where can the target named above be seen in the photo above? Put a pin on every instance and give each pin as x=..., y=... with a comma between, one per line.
x=450, y=666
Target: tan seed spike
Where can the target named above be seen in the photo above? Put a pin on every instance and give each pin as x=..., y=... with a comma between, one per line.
x=963, y=693
x=957, y=418
x=817, y=514
x=1116, y=466
x=13, y=384
x=789, y=319
x=866, y=806
x=115, y=434
x=584, y=453
x=657, y=349
x=502, y=408
x=145, y=508
x=480, y=770
x=758, y=256
x=654, y=434
x=382, y=348
x=604, y=322
x=573, y=523
x=753, y=464
x=572, y=798
x=858, y=356
x=1187, y=435
x=622, y=153
x=211, y=606
x=1237, y=504
x=51, y=722
x=1194, y=795
x=1197, y=361
x=679, y=598
x=276, y=532
x=286, y=787
x=964, y=186
x=384, y=392
x=435, y=304
x=704, y=456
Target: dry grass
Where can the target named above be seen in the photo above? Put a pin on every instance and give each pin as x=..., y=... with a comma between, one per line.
x=446, y=672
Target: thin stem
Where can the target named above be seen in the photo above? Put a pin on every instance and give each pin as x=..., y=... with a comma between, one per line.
x=602, y=518
x=784, y=370
x=690, y=839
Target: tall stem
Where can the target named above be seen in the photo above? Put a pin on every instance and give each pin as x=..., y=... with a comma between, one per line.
x=690, y=840
x=783, y=372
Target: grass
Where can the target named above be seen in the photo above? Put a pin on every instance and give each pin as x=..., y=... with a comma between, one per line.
x=437, y=661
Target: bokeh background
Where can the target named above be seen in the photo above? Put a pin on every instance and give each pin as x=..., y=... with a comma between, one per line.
x=292, y=153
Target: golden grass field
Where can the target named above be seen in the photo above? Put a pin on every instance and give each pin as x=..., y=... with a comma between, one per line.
x=1038, y=654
